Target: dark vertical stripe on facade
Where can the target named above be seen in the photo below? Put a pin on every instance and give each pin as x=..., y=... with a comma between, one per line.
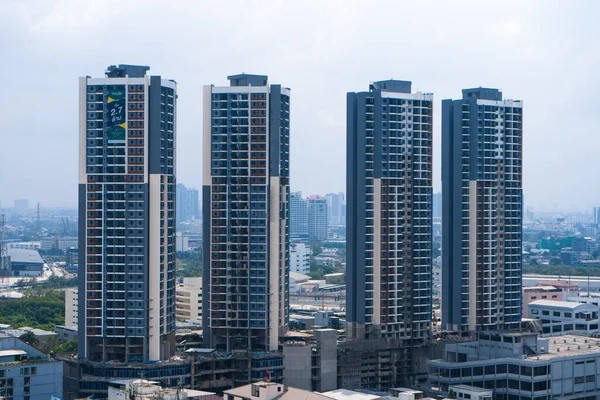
x=146, y=267
x=154, y=135
x=377, y=121
x=82, y=272
x=206, y=267
x=355, y=209
x=274, y=127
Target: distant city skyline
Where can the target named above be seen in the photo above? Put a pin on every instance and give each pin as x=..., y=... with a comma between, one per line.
x=545, y=46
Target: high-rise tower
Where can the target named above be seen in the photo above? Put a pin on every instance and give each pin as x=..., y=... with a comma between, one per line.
x=127, y=216
x=389, y=188
x=318, y=218
x=482, y=211
x=245, y=213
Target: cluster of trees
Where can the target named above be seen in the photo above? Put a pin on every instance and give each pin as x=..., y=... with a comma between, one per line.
x=189, y=263
x=52, y=345
x=39, y=308
x=564, y=270
x=54, y=282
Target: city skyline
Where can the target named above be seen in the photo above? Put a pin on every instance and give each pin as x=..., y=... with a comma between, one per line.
x=534, y=35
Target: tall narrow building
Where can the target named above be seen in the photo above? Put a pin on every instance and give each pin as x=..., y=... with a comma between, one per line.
x=335, y=208
x=318, y=218
x=245, y=213
x=298, y=216
x=126, y=216
x=482, y=211
x=389, y=234
x=187, y=204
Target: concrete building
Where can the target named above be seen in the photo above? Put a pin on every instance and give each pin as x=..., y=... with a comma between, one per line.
x=565, y=316
x=482, y=211
x=72, y=262
x=521, y=366
x=127, y=216
x=389, y=188
x=27, y=373
x=182, y=243
x=335, y=208
x=71, y=307
x=533, y=293
x=141, y=389
x=466, y=392
x=23, y=263
x=188, y=205
x=318, y=218
x=271, y=391
x=298, y=216
x=62, y=243
x=189, y=300
x=312, y=366
x=299, y=258
x=246, y=200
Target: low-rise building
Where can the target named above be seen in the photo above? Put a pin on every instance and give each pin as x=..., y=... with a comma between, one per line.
x=141, y=389
x=27, y=373
x=62, y=243
x=521, y=366
x=25, y=262
x=565, y=316
x=68, y=332
x=466, y=392
x=71, y=306
x=188, y=300
x=299, y=258
x=312, y=365
x=271, y=391
x=533, y=293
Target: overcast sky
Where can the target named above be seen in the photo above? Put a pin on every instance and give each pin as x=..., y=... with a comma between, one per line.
x=545, y=53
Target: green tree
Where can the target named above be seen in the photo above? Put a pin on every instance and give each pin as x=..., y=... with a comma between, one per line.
x=30, y=338
x=69, y=346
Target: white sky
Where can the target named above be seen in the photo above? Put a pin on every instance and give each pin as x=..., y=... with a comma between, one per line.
x=546, y=53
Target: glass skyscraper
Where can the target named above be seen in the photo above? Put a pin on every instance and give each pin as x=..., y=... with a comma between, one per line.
x=482, y=211
x=245, y=209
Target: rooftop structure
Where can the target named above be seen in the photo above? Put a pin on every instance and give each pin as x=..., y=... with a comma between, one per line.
x=271, y=391
x=520, y=363
x=27, y=373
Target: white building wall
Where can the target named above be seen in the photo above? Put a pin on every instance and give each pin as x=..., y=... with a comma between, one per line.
x=299, y=258
x=71, y=307
x=188, y=304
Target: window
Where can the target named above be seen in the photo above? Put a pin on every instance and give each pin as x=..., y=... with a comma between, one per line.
x=545, y=312
x=568, y=315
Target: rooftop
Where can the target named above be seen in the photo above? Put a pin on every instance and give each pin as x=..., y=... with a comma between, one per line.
x=571, y=345
x=25, y=256
x=570, y=305
x=345, y=394
x=544, y=288
x=12, y=352
x=248, y=80
x=289, y=393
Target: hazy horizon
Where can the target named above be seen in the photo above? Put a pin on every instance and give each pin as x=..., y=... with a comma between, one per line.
x=544, y=53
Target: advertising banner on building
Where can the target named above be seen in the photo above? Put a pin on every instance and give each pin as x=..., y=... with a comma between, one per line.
x=115, y=110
